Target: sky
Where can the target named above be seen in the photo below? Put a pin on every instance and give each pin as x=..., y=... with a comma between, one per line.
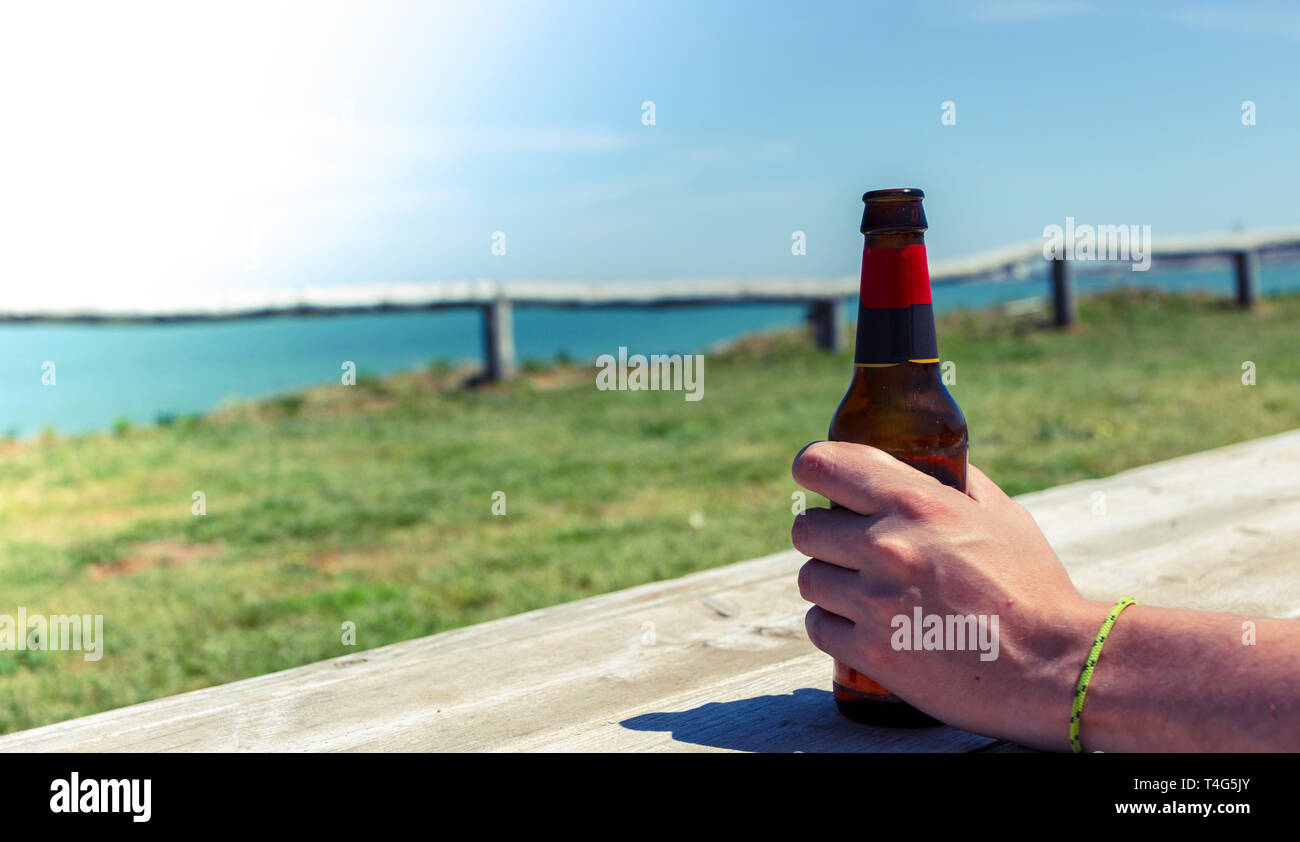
x=150, y=148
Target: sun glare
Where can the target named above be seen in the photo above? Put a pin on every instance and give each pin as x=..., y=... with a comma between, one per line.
x=151, y=149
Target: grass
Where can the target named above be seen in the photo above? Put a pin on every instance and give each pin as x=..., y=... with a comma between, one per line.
x=374, y=504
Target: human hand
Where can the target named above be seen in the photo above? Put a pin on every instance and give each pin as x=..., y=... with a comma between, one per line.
x=904, y=540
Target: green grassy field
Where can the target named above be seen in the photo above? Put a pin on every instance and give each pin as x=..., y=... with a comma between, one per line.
x=373, y=504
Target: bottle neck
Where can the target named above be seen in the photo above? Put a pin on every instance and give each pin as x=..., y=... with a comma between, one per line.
x=895, y=314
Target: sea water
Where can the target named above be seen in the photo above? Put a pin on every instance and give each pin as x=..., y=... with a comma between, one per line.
x=140, y=373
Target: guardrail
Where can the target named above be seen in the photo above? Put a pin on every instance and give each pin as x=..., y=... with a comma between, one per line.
x=825, y=298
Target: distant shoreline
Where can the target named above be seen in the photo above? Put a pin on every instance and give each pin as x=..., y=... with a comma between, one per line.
x=113, y=374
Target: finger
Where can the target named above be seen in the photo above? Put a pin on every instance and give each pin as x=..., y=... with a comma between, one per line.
x=829, y=632
x=981, y=489
x=844, y=538
x=856, y=476
x=834, y=588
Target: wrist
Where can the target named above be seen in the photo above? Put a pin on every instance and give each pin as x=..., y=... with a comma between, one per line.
x=1101, y=714
x=1063, y=651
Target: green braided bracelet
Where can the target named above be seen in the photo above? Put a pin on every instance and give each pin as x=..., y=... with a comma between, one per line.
x=1088, y=666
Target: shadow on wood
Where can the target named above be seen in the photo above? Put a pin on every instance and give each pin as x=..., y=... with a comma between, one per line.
x=802, y=721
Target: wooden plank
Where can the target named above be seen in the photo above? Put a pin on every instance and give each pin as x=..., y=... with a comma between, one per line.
x=782, y=707
x=1087, y=522
x=514, y=680
x=718, y=660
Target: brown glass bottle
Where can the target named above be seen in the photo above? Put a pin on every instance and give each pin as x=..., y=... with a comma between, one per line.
x=897, y=400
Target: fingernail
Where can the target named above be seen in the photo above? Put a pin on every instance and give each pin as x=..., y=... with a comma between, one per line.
x=800, y=453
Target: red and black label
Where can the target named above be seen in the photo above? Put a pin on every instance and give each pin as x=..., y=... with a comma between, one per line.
x=895, y=314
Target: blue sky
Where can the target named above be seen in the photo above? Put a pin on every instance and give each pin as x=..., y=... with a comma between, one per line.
x=275, y=145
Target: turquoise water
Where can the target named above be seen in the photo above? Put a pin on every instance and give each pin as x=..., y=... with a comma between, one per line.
x=138, y=372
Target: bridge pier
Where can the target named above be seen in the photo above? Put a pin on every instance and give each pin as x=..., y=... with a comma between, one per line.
x=1064, y=310
x=498, y=340
x=1246, y=264
x=827, y=318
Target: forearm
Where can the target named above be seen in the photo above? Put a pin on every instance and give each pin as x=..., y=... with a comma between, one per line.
x=1177, y=680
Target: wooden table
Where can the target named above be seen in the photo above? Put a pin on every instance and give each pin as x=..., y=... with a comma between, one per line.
x=719, y=660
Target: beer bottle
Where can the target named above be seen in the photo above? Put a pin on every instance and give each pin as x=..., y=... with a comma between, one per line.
x=897, y=400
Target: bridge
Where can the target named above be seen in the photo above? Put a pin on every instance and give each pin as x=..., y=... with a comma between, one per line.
x=825, y=298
